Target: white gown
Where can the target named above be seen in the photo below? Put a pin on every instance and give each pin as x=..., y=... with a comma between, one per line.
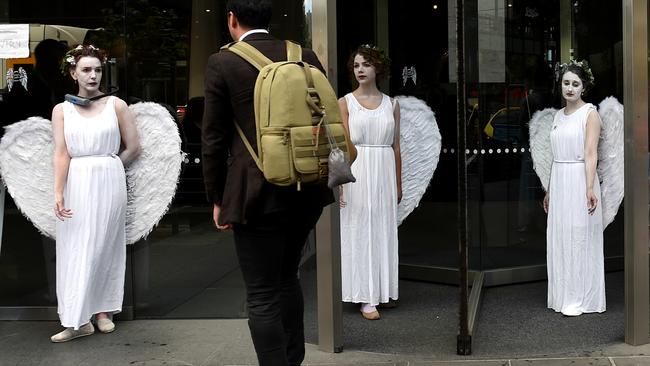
x=91, y=246
x=369, y=250
x=576, y=279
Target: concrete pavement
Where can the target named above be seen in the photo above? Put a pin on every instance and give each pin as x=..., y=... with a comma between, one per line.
x=227, y=342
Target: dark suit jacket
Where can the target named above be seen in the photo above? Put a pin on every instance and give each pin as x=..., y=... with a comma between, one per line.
x=232, y=179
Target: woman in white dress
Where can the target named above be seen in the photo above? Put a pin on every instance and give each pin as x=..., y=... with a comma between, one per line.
x=369, y=251
x=576, y=280
x=90, y=199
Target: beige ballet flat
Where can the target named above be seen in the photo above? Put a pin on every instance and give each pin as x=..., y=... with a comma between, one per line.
x=371, y=316
x=69, y=333
x=105, y=325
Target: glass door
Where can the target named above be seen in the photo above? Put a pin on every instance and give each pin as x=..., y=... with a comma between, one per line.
x=513, y=49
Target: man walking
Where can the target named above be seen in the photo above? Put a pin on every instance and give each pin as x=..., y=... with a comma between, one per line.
x=270, y=223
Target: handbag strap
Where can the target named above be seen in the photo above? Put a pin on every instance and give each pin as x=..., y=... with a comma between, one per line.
x=330, y=138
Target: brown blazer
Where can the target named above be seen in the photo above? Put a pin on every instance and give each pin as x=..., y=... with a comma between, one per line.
x=231, y=177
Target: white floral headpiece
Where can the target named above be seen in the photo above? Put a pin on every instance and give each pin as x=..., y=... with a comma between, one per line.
x=584, y=65
x=69, y=60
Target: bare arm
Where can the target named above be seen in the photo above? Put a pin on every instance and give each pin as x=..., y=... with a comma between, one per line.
x=61, y=162
x=128, y=132
x=352, y=151
x=592, y=135
x=343, y=107
x=396, y=149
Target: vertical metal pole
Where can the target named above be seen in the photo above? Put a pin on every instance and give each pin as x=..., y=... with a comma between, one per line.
x=204, y=41
x=328, y=239
x=381, y=35
x=635, y=76
x=464, y=341
x=566, y=30
x=2, y=212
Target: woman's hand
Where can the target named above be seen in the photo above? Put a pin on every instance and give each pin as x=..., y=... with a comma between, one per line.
x=59, y=208
x=592, y=201
x=546, y=203
x=342, y=202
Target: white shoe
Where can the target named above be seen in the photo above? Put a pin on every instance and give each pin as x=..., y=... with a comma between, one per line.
x=571, y=312
x=69, y=333
x=105, y=325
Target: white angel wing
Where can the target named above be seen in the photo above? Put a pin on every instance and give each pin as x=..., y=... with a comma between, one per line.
x=152, y=178
x=539, y=129
x=420, y=144
x=26, y=169
x=610, y=157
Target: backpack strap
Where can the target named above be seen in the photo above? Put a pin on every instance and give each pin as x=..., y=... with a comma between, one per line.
x=258, y=60
x=249, y=53
x=249, y=147
x=294, y=51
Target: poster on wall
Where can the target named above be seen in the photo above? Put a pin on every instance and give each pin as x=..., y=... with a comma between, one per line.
x=14, y=40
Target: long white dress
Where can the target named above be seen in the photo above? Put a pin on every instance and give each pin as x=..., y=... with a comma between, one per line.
x=576, y=278
x=91, y=246
x=369, y=250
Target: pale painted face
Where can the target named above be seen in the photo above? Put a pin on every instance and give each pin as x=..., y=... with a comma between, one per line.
x=88, y=74
x=364, y=71
x=572, y=87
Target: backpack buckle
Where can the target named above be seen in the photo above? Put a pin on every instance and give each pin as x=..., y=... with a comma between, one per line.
x=313, y=93
x=323, y=167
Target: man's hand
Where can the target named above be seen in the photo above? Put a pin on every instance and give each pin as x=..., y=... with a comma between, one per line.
x=216, y=211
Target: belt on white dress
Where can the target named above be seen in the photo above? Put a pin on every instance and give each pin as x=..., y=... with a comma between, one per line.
x=369, y=145
x=107, y=155
x=569, y=161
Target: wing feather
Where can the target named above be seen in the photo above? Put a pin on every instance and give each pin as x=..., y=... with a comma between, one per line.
x=420, y=144
x=540, y=144
x=26, y=168
x=611, y=157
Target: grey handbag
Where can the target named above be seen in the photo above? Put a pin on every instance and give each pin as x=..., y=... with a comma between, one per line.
x=339, y=171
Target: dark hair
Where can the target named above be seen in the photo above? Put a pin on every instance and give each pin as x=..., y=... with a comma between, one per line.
x=72, y=57
x=375, y=57
x=251, y=13
x=587, y=83
x=48, y=53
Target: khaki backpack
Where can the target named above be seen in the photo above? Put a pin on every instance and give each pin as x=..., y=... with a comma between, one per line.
x=295, y=105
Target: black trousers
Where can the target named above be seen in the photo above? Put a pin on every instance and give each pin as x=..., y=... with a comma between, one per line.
x=269, y=250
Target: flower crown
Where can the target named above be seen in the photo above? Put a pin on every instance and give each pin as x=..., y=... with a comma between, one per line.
x=69, y=59
x=381, y=52
x=584, y=65
x=371, y=46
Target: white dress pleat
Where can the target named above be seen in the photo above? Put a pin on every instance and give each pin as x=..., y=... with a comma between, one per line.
x=91, y=246
x=369, y=248
x=576, y=279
